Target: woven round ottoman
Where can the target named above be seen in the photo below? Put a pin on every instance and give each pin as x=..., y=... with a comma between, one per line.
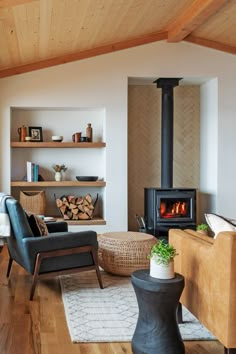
x=122, y=253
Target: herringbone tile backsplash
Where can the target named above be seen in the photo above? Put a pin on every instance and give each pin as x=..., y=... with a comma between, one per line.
x=144, y=142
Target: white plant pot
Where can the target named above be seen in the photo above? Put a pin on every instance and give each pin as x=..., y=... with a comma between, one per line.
x=161, y=271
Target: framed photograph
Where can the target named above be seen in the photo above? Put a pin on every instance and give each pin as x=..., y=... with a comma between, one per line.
x=36, y=133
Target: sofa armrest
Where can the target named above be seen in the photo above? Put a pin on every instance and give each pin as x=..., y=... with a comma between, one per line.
x=200, y=236
x=208, y=266
x=31, y=246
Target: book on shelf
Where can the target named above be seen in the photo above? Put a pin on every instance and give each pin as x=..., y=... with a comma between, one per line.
x=35, y=172
x=32, y=171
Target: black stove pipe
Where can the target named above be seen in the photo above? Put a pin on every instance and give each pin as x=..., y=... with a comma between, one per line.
x=167, y=129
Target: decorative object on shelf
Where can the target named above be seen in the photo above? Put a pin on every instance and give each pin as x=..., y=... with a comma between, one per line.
x=40, y=178
x=76, y=208
x=87, y=178
x=162, y=260
x=58, y=176
x=32, y=172
x=36, y=133
x=49, y=219
x=33, y=201
x=83, y=139
x=59, y=169
x=28, y=138
x=76, y=137
x=22, y=133
x=57, y=138
x=89, y=133
x=203, y=229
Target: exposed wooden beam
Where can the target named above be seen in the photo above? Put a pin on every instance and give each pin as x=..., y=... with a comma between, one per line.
x=153, y=37
x=10, y=3
x=193, y=17
x=211, y=44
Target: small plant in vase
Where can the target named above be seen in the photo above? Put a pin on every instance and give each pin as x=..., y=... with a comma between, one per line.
x=58, y=171
x=203, y=229
x=162, y=260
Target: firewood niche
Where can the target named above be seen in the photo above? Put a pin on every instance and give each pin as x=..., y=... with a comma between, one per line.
x=76, y=208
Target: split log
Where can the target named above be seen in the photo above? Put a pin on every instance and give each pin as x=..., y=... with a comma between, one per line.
x=59, y=202
x=76, y=208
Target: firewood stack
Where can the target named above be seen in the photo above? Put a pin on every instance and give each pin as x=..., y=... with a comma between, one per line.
x=76, y=208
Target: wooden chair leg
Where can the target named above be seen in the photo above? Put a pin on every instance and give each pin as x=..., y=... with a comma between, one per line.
x=9, y=266
x=95, y=259
x=33, y=287
x=35, y=276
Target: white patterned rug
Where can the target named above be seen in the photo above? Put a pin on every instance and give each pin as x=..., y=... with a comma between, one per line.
x=110, y=315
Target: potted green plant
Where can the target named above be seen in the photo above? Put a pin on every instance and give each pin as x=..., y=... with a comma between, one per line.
x=162, y=260
x=203, y=228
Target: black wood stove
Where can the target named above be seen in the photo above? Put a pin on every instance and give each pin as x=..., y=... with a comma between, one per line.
x=168, y=207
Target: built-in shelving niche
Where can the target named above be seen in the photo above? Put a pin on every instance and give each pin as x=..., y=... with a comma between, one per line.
x=84, y=159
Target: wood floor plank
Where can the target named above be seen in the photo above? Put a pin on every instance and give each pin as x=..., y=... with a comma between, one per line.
x=39, y=326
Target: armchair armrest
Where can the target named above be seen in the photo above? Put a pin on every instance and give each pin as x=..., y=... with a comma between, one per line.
x=59, y=226
x=31, y=246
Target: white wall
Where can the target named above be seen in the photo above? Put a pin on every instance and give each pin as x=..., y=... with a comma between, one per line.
x=102, y=82
x=208, y=147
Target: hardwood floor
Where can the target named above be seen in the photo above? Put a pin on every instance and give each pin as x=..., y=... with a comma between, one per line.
x=39, y=326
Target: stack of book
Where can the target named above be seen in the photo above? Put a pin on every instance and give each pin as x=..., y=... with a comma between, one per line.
x=32, y=171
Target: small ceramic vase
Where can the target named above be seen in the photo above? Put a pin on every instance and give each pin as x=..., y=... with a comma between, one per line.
x=58, y=176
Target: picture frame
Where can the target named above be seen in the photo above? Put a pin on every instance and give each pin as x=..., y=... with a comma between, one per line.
x=36, y=133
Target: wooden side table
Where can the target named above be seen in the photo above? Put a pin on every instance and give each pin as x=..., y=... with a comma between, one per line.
x=157, y=330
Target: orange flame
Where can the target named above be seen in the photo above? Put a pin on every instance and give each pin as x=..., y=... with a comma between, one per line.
x=177, y=209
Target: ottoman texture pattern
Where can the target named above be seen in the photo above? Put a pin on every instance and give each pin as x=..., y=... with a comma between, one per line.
x=122, y=253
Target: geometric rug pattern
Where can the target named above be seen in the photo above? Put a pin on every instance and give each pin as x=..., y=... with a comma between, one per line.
x=110, y=314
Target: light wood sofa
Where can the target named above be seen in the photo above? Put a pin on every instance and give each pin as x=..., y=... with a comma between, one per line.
x=209, y=268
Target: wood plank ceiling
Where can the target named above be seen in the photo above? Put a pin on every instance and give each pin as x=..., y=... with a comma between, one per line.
x=36, y=34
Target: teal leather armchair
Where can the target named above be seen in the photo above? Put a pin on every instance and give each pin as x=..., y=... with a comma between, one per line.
x=61, y=252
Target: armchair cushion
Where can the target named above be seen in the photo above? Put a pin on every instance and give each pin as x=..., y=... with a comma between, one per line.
x=38, y=226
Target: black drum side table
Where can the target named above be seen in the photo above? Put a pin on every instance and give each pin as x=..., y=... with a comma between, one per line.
x=157, y=331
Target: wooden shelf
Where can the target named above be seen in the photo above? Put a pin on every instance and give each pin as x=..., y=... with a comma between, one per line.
x=17, y=144
x=94, y=221
x=58, y=184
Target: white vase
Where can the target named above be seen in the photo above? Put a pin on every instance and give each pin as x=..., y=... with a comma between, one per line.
x=161, y=271
x=58, y=176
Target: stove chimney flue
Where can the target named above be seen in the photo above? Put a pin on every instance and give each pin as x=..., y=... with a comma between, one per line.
x=167, y=129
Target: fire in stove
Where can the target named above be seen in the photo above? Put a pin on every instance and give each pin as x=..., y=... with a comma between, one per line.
x=173, y=209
